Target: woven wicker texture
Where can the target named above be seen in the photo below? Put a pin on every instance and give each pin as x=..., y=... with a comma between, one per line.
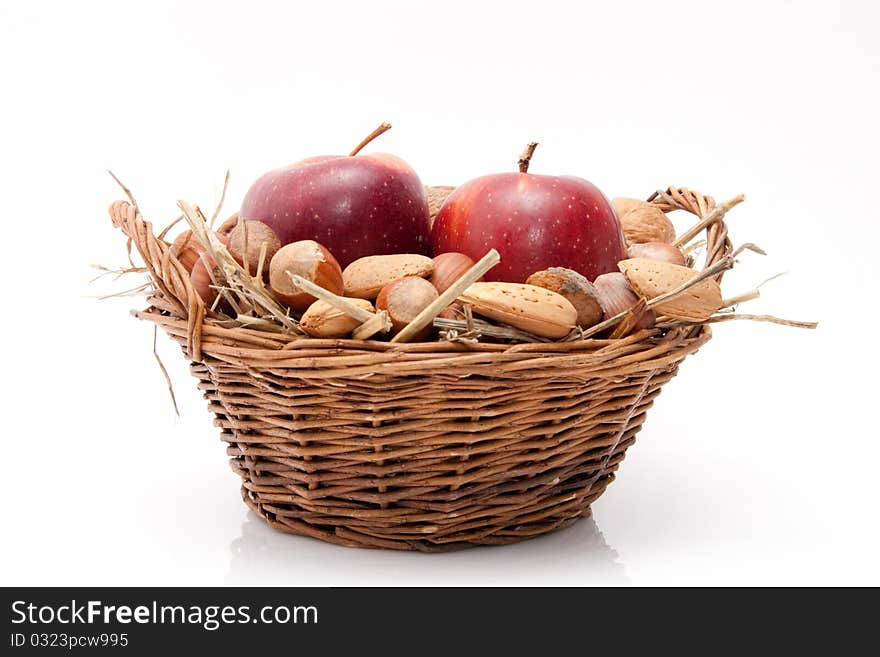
x=426, y=446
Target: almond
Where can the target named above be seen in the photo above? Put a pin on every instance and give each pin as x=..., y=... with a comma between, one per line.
x=526, y=307
x=365, y=277
x=321, y=320
x=651, y=278
x=643, y=222
x=574, y=287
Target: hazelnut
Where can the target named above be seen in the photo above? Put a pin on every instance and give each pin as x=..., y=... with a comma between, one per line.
x=616, y=296
x=448, y=268
x=200, y=276
x=404, y=299
x=246, y=241
x=186, y=248
x=657, y=251
x=323, y=320
x=310, y=260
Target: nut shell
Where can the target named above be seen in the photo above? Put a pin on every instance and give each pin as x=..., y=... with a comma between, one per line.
x=404, y=299
x=643, y=222
x=226, y=227
x=453, y=311
x=574, y=287
x=448, y=268
x=310, y=260
x=657, y=251
x=436, y=198
x=623, y=205
x=651, y=278
x=322, y=320
x=526, y=307
x=199, y=276
x=186, y=248
x=246, y=239
x=201, y=280
x=365, y=277
x=617, y=296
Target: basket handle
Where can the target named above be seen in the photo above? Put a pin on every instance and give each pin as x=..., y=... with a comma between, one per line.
x=172, y=290
x=711, y=219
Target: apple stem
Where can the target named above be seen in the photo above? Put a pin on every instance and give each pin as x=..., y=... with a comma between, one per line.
x=385, y=127
x=526, y=157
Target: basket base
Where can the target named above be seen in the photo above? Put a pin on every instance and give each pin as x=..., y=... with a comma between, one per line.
x=559, y=514
x=362, y=460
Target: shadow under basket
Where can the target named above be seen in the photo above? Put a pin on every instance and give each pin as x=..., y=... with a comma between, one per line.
x=426, y=446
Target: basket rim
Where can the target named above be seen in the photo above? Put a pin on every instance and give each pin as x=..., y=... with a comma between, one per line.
x=310, y=358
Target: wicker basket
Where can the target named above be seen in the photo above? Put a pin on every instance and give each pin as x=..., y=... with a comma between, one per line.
x=427, y=446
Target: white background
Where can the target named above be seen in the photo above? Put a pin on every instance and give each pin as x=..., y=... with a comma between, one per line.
x=758, y=464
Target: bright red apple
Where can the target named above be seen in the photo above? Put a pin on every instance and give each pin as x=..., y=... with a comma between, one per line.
x=534, y=222
x=355, y=205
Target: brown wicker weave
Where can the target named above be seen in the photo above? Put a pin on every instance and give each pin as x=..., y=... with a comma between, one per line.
x=426, y=446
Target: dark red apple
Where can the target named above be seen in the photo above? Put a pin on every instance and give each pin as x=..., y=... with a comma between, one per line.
x=355, y=205
x=534, y=222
